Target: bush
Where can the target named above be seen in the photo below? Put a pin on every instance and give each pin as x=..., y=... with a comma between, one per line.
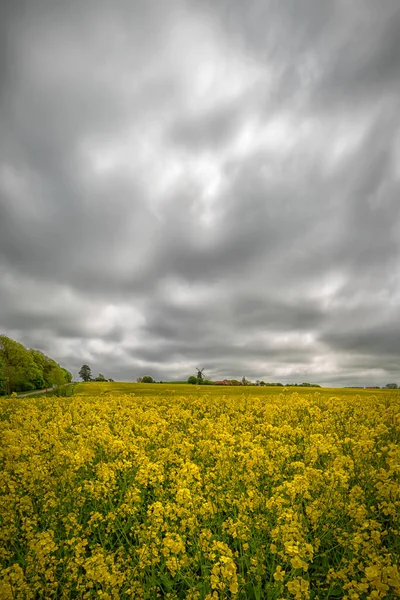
x=38, y=382
x=24, y=386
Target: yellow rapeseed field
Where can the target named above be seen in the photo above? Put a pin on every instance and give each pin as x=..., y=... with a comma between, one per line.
x=200, y=495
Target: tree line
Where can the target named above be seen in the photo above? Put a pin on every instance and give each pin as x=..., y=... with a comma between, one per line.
x=85, y=374
x=26, y=369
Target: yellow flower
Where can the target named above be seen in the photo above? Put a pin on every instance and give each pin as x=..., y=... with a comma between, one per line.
x=298, y=563
x=117, y=493
x=372, y=572
x=299, y=588
x=279, y=574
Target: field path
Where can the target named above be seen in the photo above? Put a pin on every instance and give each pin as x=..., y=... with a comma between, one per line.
x=37, y=392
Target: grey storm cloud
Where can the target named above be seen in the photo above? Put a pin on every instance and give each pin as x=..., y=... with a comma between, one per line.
x=205, y=183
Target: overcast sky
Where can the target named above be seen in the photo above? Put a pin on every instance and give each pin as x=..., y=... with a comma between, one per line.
x=210, y=183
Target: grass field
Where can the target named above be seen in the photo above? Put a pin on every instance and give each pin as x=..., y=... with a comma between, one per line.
x=197, y=492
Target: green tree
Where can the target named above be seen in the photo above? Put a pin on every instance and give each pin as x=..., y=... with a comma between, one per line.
x=18, y=369
x=58, y=380
x=100, y=377
x=46, y=367
x=38, y=382
x=2, y=380
x=147, y=379
x=68, y=375
x=85, y=373
x=192, y=379
x=23, y=369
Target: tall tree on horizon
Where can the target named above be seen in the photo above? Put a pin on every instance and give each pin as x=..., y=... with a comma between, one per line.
x=85, y=373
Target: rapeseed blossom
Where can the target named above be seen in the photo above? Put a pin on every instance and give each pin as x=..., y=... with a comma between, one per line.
x=193, y=497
